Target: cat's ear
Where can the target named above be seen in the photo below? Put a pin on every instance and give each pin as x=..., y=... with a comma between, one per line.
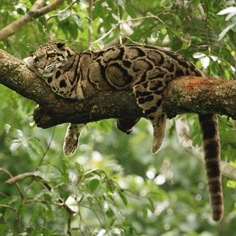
x=30, y=54
x=60, y=45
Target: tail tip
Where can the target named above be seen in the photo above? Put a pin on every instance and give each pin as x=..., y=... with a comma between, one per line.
x=217, y=216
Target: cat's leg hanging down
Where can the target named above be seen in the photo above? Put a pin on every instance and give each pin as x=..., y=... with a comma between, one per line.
x=151, y=103
x=126, y=125
x=71, y=139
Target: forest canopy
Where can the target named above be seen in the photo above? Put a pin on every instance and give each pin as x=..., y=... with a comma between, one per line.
x=114, y=185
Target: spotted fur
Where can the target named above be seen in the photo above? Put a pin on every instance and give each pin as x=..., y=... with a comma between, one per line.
x=146, y=71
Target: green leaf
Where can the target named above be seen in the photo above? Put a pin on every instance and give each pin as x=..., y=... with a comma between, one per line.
x=228, y=10
x=93, y=184
x=151, y=205
x=20, y=11
x=123, y=197
x=76, y=19
x=231, y=184
x=62, y=15
x=225, y=31
x=110, y=213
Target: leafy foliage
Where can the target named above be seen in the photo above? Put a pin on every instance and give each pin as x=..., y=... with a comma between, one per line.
x=113, y=185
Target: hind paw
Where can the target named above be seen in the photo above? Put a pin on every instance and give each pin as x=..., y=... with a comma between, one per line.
x=70, y=145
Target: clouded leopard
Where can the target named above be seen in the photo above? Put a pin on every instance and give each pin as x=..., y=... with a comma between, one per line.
x=146, y=71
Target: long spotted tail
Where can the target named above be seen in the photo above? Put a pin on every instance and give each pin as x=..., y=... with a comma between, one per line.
x=211, y=143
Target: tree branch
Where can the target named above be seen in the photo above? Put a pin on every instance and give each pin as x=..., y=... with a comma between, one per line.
x=187, y=94
x=38, y=9
x=201, y=95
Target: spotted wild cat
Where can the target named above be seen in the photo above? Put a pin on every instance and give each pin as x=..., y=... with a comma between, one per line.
x=146, y=71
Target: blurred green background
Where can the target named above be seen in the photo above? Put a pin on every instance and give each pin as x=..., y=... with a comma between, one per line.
x=113, y=185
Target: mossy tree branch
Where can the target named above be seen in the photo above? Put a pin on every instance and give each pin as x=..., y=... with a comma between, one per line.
x=188, y=94
x=54, y=110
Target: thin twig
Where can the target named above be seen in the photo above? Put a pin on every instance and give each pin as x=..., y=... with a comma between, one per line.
x=33, y=201
x=72, y=4
x=36, y=11
x=47, y=149
x=106, y=34
x=17, y=178
x=90, y=22
x=17, y=185
x=139, y=19
x=69, y=232
x=183, y=133
x=42, y=11
x=9, y=207
x=119, y=21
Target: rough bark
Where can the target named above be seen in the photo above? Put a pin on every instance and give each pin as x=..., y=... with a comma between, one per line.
x=187, y=94
x=201, y=95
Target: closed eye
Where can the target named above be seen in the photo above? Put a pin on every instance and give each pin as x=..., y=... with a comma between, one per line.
x=36, y=60
x=51, y=55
